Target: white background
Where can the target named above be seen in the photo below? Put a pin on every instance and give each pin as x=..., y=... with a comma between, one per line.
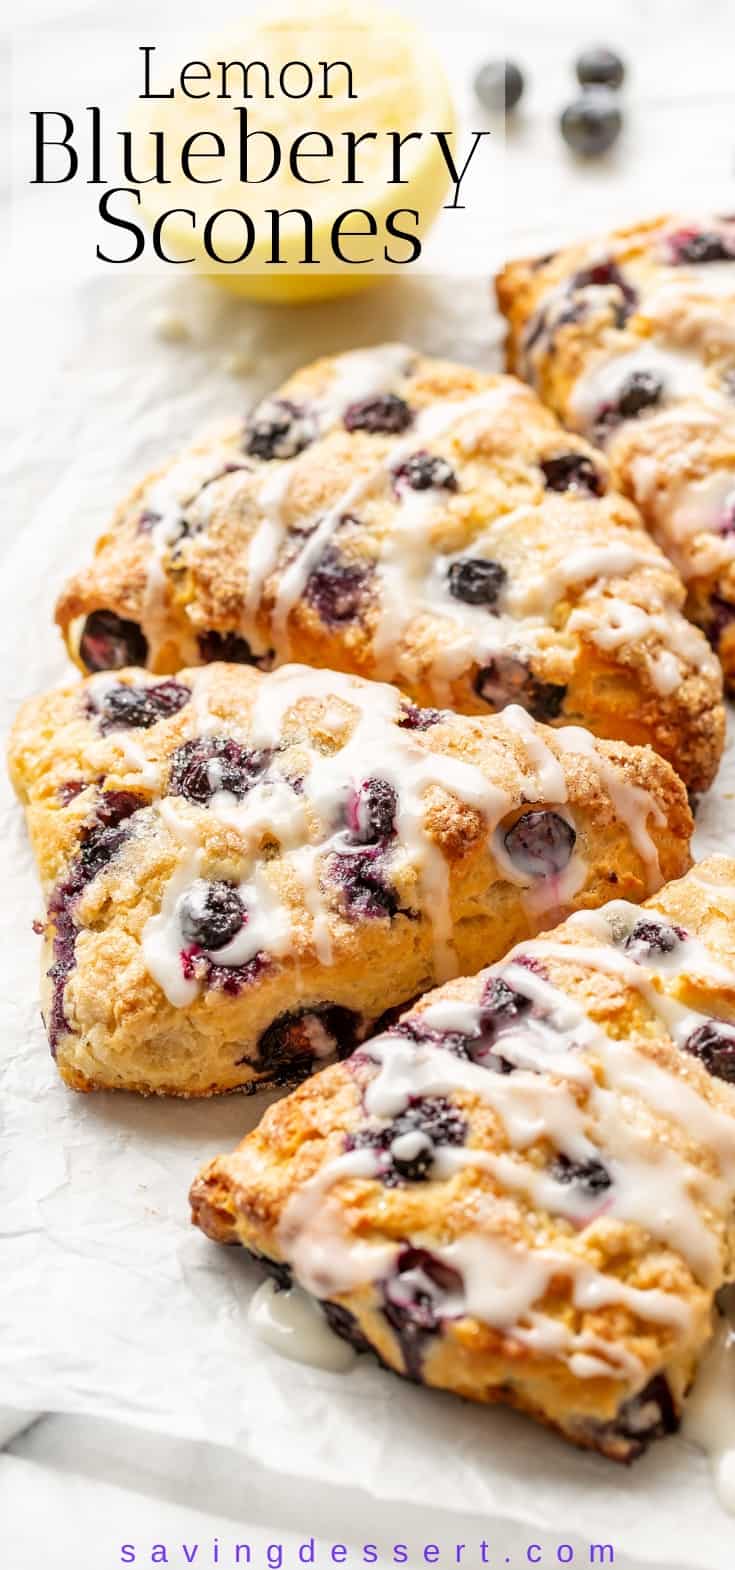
x=73, y=1489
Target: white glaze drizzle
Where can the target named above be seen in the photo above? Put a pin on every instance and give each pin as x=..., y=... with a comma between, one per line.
x=308, y=825
x=633, y=805
x=709, y=1416
x=413, y=573
x=652, y=1183
x=683, y=376
x=291, y=1323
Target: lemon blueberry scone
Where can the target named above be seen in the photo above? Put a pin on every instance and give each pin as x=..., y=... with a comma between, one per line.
x=631, y=340
x=244, y=871
x=523, y=1190
x=414, y=521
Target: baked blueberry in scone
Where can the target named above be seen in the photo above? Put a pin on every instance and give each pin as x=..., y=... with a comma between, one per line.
x=631, y=340
x=414, y=521
x=243, y=871
x=523, y=1190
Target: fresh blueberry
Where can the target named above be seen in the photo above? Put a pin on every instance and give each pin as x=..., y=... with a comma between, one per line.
x=540, y=844
x=506, y=679
x=385, y=415
x=653, y=937
x=424, y=472
x=592, y=123
x=336, y=587
x=232, y=649
x=211, y=914
x=207, y=764
x=499, y=86
x=278, y=428
x=291, y=1046
x=371, y=812
x=599, y=67
x=108, y=642
x=714, y=1044
x=414, y=718
x=591, y=1175
x=476, y=581
x=414, y=1299
x=126, y=708
x=572, y=471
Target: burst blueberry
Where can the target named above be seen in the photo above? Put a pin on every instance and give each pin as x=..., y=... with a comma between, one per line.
x=406, y=1147
x=294, y=1042
x=336, y=587
x=507, y=679
x=572, y=471
x=101, y=839
x=371, y=812
x=647, y=1416
x=207, y=764
x=698, y=246
x=126, y=708
x=110, y=642
x=414, y=1302
x=361, y=878
x=654, y=937
x=714, y=1044
x=231, y=648
x=415, y=718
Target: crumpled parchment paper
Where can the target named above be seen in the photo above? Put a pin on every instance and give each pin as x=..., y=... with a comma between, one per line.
x=110, y=1303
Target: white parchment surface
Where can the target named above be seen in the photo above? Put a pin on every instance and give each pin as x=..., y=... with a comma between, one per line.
x=110, y=1303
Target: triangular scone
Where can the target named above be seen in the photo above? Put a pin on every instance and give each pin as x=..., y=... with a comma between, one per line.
x=413, y=521
x=523, y=1190
x=630, y=338
x=243, y=872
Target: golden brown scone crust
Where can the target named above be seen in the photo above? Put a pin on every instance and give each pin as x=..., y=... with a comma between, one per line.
x=638, y=295
x=365, y=839
x=313, y=532
x=549, y=1236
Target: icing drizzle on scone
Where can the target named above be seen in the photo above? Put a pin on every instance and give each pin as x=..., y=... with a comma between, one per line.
x=349, y=826
x=633, y=343
x=297, y=822
x=523, y=1189
x=413, y=521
